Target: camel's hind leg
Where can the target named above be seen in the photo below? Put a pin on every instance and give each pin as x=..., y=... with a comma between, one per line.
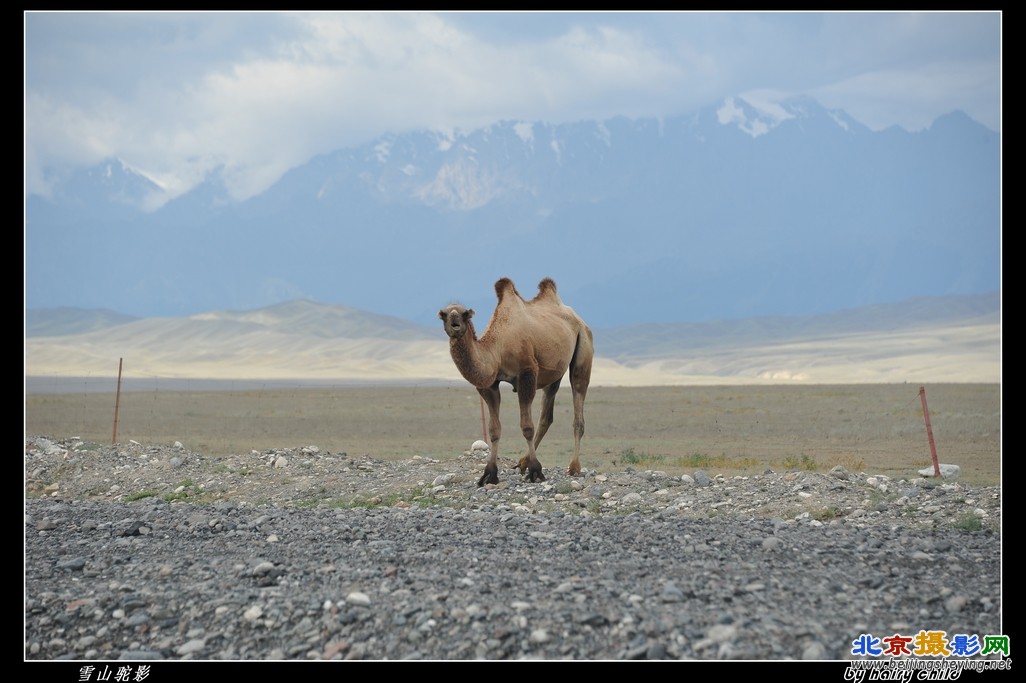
x=491, y=399
x=580, y=378
x=526, y=389
x=544, y=421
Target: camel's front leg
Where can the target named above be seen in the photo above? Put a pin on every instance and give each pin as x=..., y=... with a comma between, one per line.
x=526, y=386
x=491, y=399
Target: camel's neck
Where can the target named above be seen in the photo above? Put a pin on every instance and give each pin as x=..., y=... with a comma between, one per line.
x=475, y=359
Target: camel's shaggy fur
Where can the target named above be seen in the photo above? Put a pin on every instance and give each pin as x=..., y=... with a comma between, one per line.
x=531, y=345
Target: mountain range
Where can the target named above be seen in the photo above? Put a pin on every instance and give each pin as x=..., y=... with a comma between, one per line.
x=727, y=213
x=934, y=339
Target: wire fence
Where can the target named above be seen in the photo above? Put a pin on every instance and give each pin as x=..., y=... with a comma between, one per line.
x=223, y=416
x=780, y=425
x=96, y=384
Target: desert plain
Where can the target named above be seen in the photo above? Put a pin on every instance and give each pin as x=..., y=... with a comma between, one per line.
x=730, y=429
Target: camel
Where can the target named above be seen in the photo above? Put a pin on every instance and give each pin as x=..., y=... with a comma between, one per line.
x=529, y=344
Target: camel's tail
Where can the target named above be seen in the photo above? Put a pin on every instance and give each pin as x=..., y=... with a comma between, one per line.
x=584, y=353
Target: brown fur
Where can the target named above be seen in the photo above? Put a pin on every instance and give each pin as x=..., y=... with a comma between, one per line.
x=531, y=345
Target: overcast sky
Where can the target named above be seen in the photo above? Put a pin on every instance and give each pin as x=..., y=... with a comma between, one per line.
x=176, y=95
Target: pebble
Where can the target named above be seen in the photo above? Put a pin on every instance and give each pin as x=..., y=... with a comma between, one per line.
x=719, y=567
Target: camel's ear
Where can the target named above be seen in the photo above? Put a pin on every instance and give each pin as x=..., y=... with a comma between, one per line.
x=441, y=314
x=469, y=313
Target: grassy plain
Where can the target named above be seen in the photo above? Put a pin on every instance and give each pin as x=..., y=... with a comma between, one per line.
x=875, y=428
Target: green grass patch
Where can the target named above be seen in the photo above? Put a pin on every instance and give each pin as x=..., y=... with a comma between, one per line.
x=701, y=461
x=805, y=463
x=180, y=495
x=386, y=500
x=850, y=462
x=629, y=457
x=826, y=514
x=695, y=461
x=968, y=522
x=139, y=495
x=565, y=487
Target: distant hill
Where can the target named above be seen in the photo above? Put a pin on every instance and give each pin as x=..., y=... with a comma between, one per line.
x=632, y=342
x=300, y=316
x=65, y=320
x=944, y=339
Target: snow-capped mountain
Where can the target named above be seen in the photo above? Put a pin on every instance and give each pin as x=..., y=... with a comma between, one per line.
x=736, y=210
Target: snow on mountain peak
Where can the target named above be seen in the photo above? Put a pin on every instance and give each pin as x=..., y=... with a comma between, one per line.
x=525, y=131
x=753, y=114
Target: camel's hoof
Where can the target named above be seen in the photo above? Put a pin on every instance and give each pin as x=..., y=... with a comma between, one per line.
x=534, y=476
x=488, y=478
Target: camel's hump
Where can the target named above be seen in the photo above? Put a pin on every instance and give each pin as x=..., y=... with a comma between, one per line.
x=504, y=285
x=547, y=291
x=547, y=286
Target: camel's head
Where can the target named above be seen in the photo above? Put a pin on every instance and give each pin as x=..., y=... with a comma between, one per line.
x=456, y=319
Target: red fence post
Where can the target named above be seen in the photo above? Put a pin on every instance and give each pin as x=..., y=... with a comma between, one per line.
x=117, y=404
x=929, y=432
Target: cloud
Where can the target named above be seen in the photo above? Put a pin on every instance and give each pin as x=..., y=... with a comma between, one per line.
x=178, y=94
x=915, y=97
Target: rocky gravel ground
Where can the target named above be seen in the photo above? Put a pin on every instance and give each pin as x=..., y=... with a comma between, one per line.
x=154, y=552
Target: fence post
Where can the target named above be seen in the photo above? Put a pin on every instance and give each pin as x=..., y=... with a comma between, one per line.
x=929, y=433
x=117, y=404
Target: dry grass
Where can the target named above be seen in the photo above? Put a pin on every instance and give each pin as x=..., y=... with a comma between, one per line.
x=730, y=429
